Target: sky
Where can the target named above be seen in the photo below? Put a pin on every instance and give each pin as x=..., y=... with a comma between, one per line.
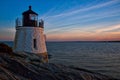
x=66, y=20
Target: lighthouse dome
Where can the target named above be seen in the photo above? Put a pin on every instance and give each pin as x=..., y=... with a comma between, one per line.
x=29, y=11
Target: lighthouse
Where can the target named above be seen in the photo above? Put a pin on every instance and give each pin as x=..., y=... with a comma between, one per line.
x=30, y=37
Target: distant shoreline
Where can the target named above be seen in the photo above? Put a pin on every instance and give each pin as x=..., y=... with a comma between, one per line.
x=84, y=41
x=73, y=41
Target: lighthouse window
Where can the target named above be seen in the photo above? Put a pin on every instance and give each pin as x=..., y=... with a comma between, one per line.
x=35, y=43
x=33, y=17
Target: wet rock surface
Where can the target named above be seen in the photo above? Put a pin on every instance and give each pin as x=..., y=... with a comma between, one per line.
x=24, y=66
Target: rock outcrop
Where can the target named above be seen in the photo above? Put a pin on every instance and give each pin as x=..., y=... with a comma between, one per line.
x=5, y=48
x=24, y=66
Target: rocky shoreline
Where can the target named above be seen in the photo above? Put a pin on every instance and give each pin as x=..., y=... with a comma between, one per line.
x=24, y=66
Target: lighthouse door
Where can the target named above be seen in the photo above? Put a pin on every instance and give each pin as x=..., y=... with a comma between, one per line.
x=35, y=43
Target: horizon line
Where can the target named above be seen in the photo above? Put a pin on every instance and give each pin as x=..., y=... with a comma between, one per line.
x=73, y=41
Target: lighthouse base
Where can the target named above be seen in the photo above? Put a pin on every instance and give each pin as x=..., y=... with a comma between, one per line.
x=44, y=56
x=30, y=40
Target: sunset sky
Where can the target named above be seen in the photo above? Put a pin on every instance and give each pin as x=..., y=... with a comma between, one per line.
x=66, y=20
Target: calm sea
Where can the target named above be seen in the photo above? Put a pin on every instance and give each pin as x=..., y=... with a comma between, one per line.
x=102, y=57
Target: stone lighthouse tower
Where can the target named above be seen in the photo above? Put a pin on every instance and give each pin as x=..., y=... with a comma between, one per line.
x=29, y=37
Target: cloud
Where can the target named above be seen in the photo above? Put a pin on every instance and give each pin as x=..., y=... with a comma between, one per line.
x=84, y=9
x=114, y=28
x=78, y=24
x=87, y=34
x=55, y=24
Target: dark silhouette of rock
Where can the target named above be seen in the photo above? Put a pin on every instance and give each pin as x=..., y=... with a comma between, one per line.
x=25, y=66
x=5, y=48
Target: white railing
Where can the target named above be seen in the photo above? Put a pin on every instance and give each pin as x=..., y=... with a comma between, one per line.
x=18, y=22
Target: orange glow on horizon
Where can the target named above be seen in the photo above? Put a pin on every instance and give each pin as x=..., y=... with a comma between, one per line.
x=114, y=36
x=6, y=38
x=109, y=33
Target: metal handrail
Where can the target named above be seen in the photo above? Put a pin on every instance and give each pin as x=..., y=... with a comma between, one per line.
x=19, y=23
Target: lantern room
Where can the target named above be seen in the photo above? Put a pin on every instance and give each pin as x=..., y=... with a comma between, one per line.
x=30, y=18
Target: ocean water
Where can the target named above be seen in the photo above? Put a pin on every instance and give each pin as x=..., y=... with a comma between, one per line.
x=100, y=57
